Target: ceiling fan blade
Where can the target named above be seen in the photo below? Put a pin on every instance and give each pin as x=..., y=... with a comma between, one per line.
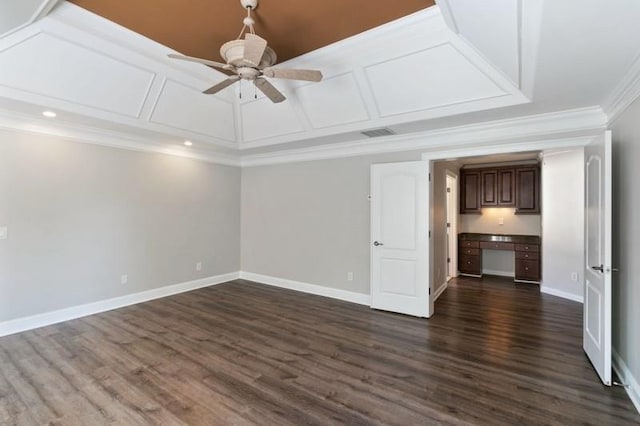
x=224, y=83
x=254, y=47
x=199, y=61
x=307, y=75
x=269, y=90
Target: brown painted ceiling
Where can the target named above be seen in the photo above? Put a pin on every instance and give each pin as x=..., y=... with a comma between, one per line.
x=292, y=27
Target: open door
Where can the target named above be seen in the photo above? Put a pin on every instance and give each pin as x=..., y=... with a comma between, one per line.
x=400, y=238
x=597, y=274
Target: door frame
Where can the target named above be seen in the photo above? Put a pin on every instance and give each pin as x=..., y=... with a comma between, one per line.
x=452, y=218
x=474, y=151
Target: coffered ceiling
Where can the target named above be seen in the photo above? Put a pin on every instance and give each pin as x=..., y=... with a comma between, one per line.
x=292, y=27
x=428, y=77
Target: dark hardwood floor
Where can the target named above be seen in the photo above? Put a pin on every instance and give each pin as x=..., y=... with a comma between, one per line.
x=242, y=353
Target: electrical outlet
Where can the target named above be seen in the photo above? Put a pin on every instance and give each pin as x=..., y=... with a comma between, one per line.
x=124, y=279
x=574, y=276
x=349, y=276
x=3, y=233
x=199, y=266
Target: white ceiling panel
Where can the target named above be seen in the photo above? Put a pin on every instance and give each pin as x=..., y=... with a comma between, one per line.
x=334, y=101
x=53, y=67
x=491, y=26
x=264, y=119
x=435, y=77
x=186, y=108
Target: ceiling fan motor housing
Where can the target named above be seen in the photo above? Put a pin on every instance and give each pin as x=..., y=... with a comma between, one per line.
x=233, y=53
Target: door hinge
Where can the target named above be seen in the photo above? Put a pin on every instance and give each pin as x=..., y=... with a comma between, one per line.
x=448, y=189
x=429, y=234
x=429, y=177
x=429, y=290
x=448, y=225
x=448, y=260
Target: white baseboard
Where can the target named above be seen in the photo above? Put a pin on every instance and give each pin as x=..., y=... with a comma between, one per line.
x=439, y=291
x=509, y=274
x=348, y=296
x=623, y=372
x=40, y=320
x=560, y=293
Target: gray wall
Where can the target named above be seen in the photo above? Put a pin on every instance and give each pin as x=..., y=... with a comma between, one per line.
x=309, y=221
x=80, y=216
x=626, y=241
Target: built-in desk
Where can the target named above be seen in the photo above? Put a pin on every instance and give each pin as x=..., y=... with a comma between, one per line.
x=526, y=248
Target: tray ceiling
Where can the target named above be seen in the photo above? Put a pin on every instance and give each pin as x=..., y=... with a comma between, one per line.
x=292, y=27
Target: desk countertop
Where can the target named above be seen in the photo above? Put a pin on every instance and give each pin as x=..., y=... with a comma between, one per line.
x=503, y=238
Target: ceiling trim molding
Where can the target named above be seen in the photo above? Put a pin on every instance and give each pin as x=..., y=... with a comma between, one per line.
x=625, y=93
x=510, y=147
x=24, y=123
x=552, y=126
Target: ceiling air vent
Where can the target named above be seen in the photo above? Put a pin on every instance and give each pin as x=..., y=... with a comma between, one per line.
x=376, y=133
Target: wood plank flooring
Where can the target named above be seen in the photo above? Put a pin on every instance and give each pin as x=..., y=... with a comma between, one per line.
x=242, y=353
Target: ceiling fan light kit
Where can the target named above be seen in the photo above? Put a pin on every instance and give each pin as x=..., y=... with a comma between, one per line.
x=252, y=60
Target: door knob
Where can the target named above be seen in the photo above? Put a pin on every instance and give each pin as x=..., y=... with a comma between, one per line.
x=598, y=268
x=375, y=243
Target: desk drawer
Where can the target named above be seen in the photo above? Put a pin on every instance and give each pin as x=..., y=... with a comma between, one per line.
x=496, y=246
x=468, y=244
x=528, y=247
x=469, y=251
x=532, y=255
x=527, y=270
x=470, y=264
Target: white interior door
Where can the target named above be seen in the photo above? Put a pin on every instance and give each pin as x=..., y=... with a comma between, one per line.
x=452, y=228
x=400, y=238
x=597, y=290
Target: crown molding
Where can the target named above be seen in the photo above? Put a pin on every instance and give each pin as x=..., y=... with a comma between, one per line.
x=573, y=124
x=625, y=93
x=24, y=123
x=584, y=122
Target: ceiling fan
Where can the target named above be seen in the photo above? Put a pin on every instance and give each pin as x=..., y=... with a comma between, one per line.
x=251, y=59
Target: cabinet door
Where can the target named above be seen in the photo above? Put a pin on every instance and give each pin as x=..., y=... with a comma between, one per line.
x=489, y=187
x=528, y=190
x=469, y=192
x=506, y=187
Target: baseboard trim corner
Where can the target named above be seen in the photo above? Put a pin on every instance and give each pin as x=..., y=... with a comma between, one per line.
x=53, y=317
x=318, y=290
x=440, y=290
x=623, y=372
x=559, y=293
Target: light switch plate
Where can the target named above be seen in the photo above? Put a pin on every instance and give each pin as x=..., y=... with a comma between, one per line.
x=3, y=232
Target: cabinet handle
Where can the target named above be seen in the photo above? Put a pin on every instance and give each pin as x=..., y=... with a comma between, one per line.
x=468, y=263
x=526, y=255
x=526, y=268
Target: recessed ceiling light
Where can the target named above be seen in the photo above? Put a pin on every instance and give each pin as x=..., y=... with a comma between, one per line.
x=188, y=143
x=49, y=114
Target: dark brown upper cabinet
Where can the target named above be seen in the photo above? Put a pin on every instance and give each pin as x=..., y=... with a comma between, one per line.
x=528, y=190
x=489, y=188
x=506, y=187
x=470, y=191
x=514, y=186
